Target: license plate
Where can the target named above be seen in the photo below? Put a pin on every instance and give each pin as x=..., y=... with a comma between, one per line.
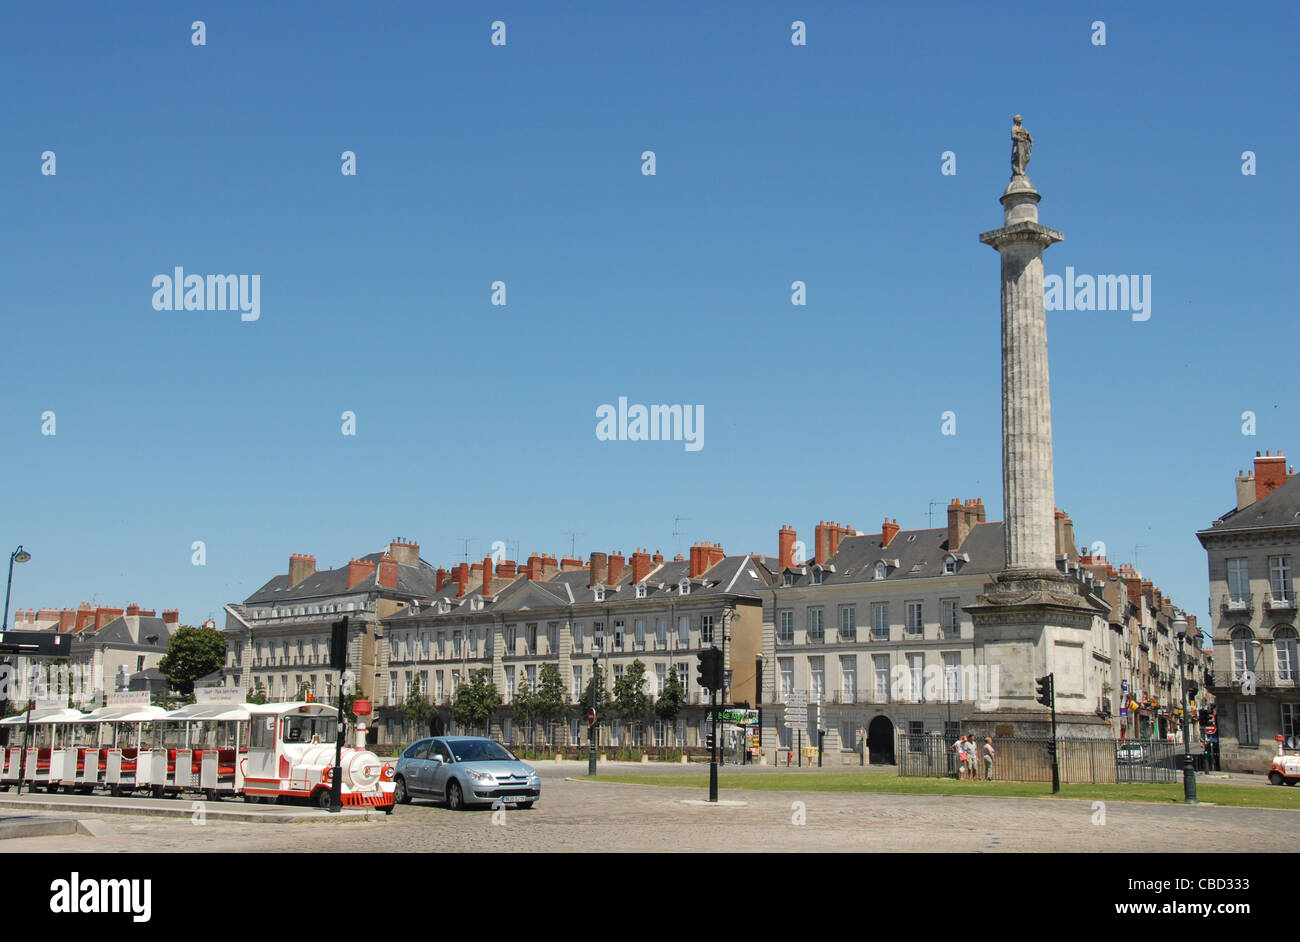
x=510, y=799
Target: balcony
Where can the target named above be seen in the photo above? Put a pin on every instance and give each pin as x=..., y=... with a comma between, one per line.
x=1280, y=603
x=1264, y=680
x=1237, y=605
x=879, y=634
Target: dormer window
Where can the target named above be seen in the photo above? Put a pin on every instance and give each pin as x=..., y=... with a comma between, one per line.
x=881, y=570
x=684, y=588
x=949, y=565
x=819, y=576
x=789, y=579
x=600, y=593
x=640, y=590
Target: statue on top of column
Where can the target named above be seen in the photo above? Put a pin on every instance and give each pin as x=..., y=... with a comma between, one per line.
x=1021, y=144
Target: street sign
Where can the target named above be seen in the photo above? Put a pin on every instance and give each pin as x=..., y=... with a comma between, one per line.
x=796, y=709
x=591, y=717
x=49, y=643
x=1211, y=730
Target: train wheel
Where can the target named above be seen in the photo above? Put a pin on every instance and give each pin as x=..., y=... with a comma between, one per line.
x=455, y=797
x=1275, y=778
x=157, y=791
x=400, y=792
x=323, y=799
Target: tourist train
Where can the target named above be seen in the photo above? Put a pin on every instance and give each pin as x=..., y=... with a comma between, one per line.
x=275, y=752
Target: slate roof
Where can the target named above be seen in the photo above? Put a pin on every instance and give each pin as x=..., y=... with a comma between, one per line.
x=122, y=631
x=1279, y=509
x=920, y=555
x=415, y=581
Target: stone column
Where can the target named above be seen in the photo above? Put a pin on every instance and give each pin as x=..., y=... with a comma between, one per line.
x=1027, y=487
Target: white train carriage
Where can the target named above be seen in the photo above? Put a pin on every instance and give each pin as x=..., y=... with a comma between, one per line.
x=197, y=747
x=291, y=755
x=44, y=751
x=122, y=731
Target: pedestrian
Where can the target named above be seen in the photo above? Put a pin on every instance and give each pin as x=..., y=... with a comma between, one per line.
x=959, y=747
x=988, y=758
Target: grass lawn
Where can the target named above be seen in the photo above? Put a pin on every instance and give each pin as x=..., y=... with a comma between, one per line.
x=1239, y=796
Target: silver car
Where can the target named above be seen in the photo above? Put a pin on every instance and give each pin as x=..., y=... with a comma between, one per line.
x=464, y=771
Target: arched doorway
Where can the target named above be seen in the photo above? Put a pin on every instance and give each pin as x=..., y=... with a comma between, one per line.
x=880, y=741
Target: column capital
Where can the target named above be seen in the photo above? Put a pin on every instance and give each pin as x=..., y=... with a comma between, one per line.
x=1022, y=232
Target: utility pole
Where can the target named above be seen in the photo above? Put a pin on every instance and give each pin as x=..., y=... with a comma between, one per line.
x=573, y=541
x=677, y=532
x=1047, y=697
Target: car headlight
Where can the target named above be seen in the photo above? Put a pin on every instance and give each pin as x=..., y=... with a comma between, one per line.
x=532, y=775
x=479, y=775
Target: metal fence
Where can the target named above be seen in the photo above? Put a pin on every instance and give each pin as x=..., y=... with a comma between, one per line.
x=1021, y=759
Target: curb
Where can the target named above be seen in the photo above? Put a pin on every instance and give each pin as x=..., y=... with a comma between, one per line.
x=182, y=809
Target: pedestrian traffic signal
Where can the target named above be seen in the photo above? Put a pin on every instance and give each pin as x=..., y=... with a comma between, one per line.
x=1045, y=690
x=339, y=644
x=709, y=669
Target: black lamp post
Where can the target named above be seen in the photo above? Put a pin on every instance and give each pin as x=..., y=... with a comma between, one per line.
x=591, y=726
x=19, y=555
x=1189, y=774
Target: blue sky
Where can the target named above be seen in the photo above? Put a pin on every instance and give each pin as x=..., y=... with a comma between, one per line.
x=522, y=163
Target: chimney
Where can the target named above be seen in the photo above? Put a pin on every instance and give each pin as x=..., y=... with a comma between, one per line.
x=1132, y=584
x=657, y=558
x=679, y=558
x=105, y=615
x=570, y=565
x=599, y=570
x=697, y=560
x=821, y=544
x=1245, y=489
x=533, y=568
x=785, y=540
x=616, y=564
x=714, y=554
x=440, y=579
x=507, y=569
x=133, y=609
x=387, y=572
x=359, y=569
x=487, y=577
x=300, y=567
x=1270, y=473
x=460, y=575
x=171, y=616
x=67, y=620
x=406, y=554
x=888, y=531
x=959, y=524
x=640, y=565
x=550, y=566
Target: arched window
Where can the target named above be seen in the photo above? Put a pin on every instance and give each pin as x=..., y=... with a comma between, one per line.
x=685, y=587
x=949, y=565
x=1243, y=651
x=640, y=590
x=1284, y=652
x=881, y=570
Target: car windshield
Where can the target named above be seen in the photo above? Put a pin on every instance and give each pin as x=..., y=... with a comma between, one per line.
x=318, y=728
x=479, y=750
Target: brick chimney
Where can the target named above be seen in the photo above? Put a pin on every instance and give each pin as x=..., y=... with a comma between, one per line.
x=714, y=554
x=171, y=616
x=1270, y=473
x=487, y=577
x=616, y=565
x=657, y=558
x=133, y=609
x=888, y=531
x=300, y=567
x=959, y=524
x=388, y=572
x=105, y=615
x=785, y=540
x=460, y=576
x=67, y=620
x=533, y=568
x=359, y=569
x=550, y=566
x=507, y=569
x=640, y=566
x=1064, y=535
x=440, y=579
x=599, y=570
x=697, y=560
x=406, y=553
x=821, y=544
x=570, y=565
x=679, y=558
x=1245, y=489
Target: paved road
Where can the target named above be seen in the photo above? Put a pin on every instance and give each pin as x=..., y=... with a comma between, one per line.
x=586, y=816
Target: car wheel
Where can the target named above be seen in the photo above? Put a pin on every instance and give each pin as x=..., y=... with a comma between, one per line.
x=403, y=796
x=323, y=799
x=455, y=797
x=1275, y=778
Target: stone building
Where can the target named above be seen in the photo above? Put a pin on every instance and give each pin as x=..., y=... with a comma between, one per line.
x=1251, y=551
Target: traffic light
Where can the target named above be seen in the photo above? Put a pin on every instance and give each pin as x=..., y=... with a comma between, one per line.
x=339, y=644
x=709, y=669
x=1193, y=688
x=1203, y=717
x=708, y=742
x=1045, y=691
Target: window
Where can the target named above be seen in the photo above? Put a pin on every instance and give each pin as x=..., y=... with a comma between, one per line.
x=600, y=593
x=1290, y=721
x=1247, y=723
x=817, y=669
x=1243, y=652
x=849, y=679
x=881, y=570
x=618, y=636
x=392, y=688
x=577, y=683
x=1238, y=580
x=577, y=639
x=849, y=623
x=952, y=677
x=786, y=665
x=659, y=732
x=1284, y=651
x=473, y=643
x=639, y=628
x=661, y=679
x=880, y=621
x=437, y=675
x=949, y=565
x=530, y=634
x=819, y=576
x=914, y=624
x=788, y=579
x=512, y=632
x=785, y=628
x=615, y=731
x=916, y=735
x=684, y=588
x=881, y=668
x=505, y=729
x=1279, y=578
x=816, y=626
x=552, y=637
x=661, y=634
x=510, y=683
x=442, y=644
x=949, y=619
x=684, y=678
x=487, y=641
x=684, y=631
x=455, y=644
x=640, y=590
x=706, y=629
x=575, y=731
x=916, y=672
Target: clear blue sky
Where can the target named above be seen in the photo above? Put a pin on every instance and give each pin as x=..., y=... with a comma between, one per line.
x=522, y=163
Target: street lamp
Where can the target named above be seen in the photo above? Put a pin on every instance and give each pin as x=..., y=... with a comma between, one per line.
x=597, y=637
x=19, y=555
x=1189, y=774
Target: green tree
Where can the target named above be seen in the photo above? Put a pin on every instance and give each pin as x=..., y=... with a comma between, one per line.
x=416, y=709
x=257, y=694
x=670, y=703
x=550, y=697
x=192, y=653
x=630, y=698
x=476, y=701
x=596, y=683
x=524, y=704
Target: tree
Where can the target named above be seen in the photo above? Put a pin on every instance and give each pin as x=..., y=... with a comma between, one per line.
x=550, y=697
x=596, y=683
x=670, y=703
x=524, y=704
x=476, y=701
x=257, y=694
x=630, y=699
x=416, y=709
x=192, y=653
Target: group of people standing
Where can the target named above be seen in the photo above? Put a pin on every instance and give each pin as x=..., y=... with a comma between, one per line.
x=971, y=757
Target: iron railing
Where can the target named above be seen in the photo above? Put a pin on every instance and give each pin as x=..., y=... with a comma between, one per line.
x=1263, y=679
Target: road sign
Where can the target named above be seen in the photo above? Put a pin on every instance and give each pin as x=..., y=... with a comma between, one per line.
x=1211, y=730
x=591, y=717
x=796, y=709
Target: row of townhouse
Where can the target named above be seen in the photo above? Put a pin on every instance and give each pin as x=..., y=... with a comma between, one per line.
x=1251, y=552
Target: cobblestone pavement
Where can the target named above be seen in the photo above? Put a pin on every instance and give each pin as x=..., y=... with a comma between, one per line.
x=587, y=816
